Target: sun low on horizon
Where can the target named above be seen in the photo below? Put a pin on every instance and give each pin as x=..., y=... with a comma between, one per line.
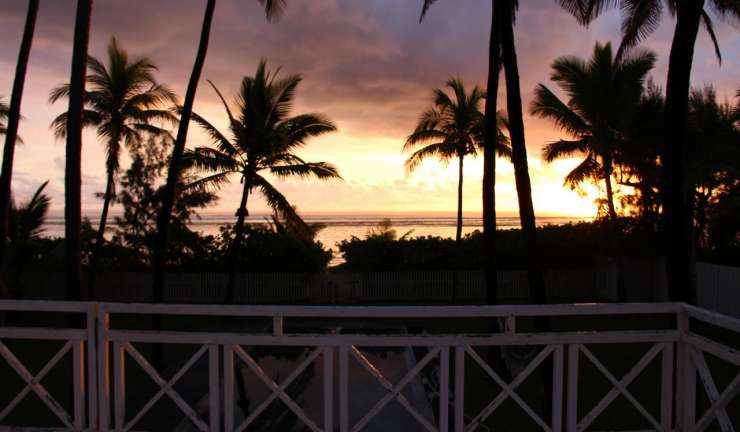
x=368, y=67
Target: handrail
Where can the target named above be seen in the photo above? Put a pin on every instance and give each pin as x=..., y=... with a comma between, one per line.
x=474, y=311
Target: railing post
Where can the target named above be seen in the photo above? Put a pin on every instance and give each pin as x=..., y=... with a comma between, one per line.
x=119, y=385
x=344, y=388
x=328, y=353
x=666, y=388
x=557, y=388
x=460, y=388
x=228, y=388
x=214, y=409
x=277, y=325
x=78, y=358
x=685, y=378
x=103, y=326
x=92, y=374
x=572, y=413
x=444, y=389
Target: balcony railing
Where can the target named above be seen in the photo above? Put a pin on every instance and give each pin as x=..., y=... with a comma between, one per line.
x=336, y=342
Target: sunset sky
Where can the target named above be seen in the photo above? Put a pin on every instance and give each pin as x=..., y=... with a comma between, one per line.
x=368, y=64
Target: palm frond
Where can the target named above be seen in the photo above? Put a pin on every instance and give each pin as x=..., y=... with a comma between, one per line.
x=564, y=148
x=27, y=221
x=223, y=143
x=301, y=127
x=209, y=183
x=442, y=151
x=640, y=19
x=706, y=20
x=275, y=200
x=211, y=160
x=320, y=170
x=587, y=169
x=547, y=105
x=425, y=8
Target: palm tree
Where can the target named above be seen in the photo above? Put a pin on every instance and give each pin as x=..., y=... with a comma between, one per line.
x=603, y=97
x=714, y=164
x=641, y=18
x=122, y=103
x=262, y=138
x=13, y=114
x=273, y=9
x=453, y=128
x=73, y=163
x=25, y=226
x=502, y=47
x=26, y=221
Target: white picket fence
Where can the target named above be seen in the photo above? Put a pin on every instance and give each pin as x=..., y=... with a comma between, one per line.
x=110, y=338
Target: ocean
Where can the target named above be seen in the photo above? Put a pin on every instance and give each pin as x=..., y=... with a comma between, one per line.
x=343, y=226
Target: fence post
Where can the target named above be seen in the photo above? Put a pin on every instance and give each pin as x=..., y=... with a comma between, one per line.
x=460, y=387
x=78, y=360
x=328, y=353
x=572, y=417
x=685, y=377
x=92, y=375
x=666, y=393
x=103, y=326
x=344, y=388
x=119, y=384
x=444, y=389
x=214, y=408
x=228, y=387
x=557, y=388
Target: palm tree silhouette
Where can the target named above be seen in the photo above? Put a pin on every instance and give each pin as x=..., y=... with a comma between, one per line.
x=502, y=52
x=13, y=114
x=26, y=221
x=262, y=139
x=641, y=18
x=453, y=128
x=73, y=151
x=273, y=9
x=714, y=134
x=603, y=96
x=122, y=104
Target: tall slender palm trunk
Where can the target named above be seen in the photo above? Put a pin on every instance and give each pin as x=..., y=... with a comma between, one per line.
x=14, y=116
x=458, y=231
x=677, y=223
x=519, y=155
x=73, y=165
x=159, y=257
x=159, y=261
x=242, y=214
x=609, y=191
x=100, y=236
x=490, y=142
x=615, y=232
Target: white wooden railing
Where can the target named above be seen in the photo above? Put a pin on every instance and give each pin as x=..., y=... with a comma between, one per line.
x=107, y=339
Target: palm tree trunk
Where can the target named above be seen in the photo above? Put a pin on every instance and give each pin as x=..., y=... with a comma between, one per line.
x=458, y=231
x=519, y=155
x=241, y=213
x=159, y=257
x=100, y=237
x=614, y=229
x=609, y=191
x=73, y=165
x=490, y=143
x=159, y=260
x=677, y=219
x=14, y=117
